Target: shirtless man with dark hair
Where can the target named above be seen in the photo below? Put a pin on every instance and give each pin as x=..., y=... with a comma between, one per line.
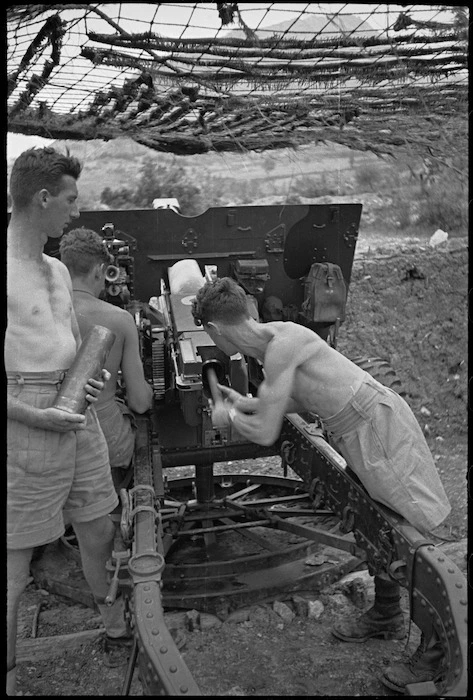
x=57, y=462
x=87, y=258
x=370, y=425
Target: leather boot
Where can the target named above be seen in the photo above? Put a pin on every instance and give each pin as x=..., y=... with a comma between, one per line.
x=424, y=665
x=385, y=619
x=370, y=624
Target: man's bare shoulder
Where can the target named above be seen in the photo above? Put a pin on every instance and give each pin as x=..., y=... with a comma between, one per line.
x=291, y=343
x=55, y=263
x=115, y=312
x=58, y=266
x=288, y=331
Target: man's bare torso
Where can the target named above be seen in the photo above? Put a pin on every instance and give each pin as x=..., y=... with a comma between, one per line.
x=40, y=326
x=324, y=379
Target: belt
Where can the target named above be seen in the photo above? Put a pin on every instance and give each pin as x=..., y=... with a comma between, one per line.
x=357, y=409
x=55, y=377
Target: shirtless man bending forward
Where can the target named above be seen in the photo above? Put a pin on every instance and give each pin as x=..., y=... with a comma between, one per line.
x=370, y=425
x=57, y=463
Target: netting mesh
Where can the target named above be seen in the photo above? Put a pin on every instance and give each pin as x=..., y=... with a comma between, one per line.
x=193, y=77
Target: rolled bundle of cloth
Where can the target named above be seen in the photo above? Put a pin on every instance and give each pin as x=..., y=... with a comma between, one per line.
x=185, y=277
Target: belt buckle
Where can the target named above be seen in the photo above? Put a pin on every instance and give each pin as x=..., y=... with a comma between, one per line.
x=60, y=380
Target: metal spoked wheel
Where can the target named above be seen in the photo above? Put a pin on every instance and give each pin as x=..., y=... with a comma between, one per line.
x=227, y=552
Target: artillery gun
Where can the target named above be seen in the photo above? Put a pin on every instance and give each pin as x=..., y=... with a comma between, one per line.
x=180, y=539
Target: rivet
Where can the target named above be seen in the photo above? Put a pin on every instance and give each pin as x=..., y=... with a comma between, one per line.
x=148, y=600
x=459, y=585
x=451, y=571
x=183, y=689
x=438, y=581
x=414, y=594
x=173, y=669
x=150, y=614
x=430, y=548
x=429, y=570
x=431, y=611
x=146, y=588
x=163, y=650
x=423, y=603
x=441, y=559
x=463, y=602
x=155, y=632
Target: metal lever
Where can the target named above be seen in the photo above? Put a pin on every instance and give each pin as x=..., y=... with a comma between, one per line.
x=113, y=590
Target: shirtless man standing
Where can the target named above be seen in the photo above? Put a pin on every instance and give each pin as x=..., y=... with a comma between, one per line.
x=370, y=425
x=87, y=258
x=57, y=462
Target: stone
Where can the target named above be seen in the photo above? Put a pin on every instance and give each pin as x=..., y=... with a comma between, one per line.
x=208, y=621
x=237, y=616
x=438, y=238
x=263, y=615
x=192, y=620
x=358, y=587
x=284, y=611
x=315, y=609
x=301, y=605
x=339, y=601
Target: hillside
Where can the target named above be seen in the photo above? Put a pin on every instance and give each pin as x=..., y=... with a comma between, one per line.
x=116, y=164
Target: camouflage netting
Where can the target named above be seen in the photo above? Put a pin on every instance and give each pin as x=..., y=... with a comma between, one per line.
x=189, y=78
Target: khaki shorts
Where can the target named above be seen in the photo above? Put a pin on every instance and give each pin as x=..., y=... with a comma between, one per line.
x=118, y=426
x=53, y=477
x=382, y=442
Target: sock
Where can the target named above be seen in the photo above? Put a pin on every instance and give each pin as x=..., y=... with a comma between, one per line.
x=387, y=597
x=113, y=617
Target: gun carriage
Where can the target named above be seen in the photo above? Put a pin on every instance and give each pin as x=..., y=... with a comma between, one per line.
x=179, y=537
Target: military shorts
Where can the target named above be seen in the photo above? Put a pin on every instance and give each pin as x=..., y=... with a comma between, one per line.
x=53, y=477
x=382, y=442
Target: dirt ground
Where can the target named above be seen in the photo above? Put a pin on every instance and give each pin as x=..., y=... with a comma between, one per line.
x=407, y=303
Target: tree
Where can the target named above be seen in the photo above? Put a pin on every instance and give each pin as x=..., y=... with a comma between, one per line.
x=157, y=181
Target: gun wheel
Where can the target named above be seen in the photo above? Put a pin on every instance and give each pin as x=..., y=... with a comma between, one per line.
x=381, y=370
x=227, y=553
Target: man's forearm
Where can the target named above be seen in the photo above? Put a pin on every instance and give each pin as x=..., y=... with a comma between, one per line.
x=22, y=412
x=254, y=428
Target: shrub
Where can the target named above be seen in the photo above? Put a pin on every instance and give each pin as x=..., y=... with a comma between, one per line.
x=445, y=206
x=367, y=176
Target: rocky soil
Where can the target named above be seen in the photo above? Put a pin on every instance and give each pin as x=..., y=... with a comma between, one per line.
x=408, y=304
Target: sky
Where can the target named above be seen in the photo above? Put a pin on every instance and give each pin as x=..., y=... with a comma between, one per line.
x=17, y=143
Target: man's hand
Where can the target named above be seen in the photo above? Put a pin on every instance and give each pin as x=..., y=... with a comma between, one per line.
x=60, y=421
x=220, y=416
x=244, y=404
x=95, y=386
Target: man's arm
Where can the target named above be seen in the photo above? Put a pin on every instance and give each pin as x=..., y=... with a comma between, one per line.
x=54, y=418
x=259, y=419
x=139, y=394
x=44, y=418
